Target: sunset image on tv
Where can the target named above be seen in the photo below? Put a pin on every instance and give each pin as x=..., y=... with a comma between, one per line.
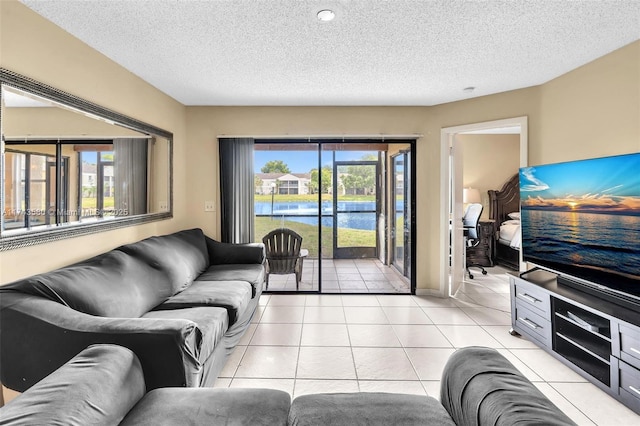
x=583, y=218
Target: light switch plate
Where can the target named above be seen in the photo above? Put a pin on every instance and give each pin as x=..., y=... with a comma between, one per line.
x=209, y=206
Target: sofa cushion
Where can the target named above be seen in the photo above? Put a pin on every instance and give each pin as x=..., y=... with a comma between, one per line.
x=234, y=296
x=366, y=409
x=211, y=321
x=112, y=284
x=251, y=273
x=97, y=387
x=480, y=386
x=207, y=406
x=229, y=253
x=182, y=256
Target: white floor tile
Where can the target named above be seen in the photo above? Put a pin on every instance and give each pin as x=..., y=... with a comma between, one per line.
x=487, y=316
x=406, y=315
x=287, y=300
x=383, y=364
x=272, y=334
x=274, y=362
x=421, y=336
x=448, y=316
x=323, y=300
x=372, y=335
x=358, y=300
x=596, y=404
x=283, y=314
x=429, y=362
x=325, y=335
x=326, y=363
x=324, y=315
x=365, y=315
x=546, y=366
x=396, y=301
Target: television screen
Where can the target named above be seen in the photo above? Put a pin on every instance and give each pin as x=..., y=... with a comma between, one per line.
x=582, y=219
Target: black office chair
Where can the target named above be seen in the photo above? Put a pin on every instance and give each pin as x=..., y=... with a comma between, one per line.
x=470, y=224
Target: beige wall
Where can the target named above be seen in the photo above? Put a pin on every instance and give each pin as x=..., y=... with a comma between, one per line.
x=32, y=46
x=592, y=111
x=488, y=162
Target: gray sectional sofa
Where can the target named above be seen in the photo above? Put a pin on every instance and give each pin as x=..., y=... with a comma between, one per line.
x=104, y=385
x=180, y=302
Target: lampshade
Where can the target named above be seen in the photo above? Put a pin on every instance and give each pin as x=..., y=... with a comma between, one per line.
x=471, y=195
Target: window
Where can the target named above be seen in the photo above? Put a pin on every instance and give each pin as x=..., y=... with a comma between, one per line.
x=57, y=182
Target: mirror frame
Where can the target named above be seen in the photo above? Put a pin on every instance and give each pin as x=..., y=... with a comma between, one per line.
x=34, y=237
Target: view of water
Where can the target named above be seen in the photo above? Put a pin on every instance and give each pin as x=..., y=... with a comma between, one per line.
x=307, y=212
x=595, y=241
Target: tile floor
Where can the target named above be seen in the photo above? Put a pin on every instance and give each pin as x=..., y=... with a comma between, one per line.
x=344, y=276
x=347, y=343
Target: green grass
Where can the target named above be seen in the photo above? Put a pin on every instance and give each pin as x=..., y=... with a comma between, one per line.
x=91, y=203
x=309, y=234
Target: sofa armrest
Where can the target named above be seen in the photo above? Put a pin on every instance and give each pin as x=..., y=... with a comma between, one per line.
x=480, y=386
x=39, y=335
x=100, y=385
x=230, y=253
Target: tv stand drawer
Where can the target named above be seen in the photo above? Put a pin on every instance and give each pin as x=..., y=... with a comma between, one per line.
x=630, y=345
x=630, y=385
x=533, y=324
x=532, y=296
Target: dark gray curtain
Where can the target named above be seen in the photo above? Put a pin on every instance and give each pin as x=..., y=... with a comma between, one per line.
x=236, y=189
x=130, y=169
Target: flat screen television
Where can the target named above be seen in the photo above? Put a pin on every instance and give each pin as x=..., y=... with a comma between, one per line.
x=581, y=220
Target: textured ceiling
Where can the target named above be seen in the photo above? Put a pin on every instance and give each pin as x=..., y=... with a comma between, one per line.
x=385, y=52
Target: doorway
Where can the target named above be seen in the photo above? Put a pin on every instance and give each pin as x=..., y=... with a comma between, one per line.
x=355, y=178
x=337, y=196
x=451, y=230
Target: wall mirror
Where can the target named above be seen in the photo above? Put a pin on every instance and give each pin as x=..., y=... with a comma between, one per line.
x=70, y=167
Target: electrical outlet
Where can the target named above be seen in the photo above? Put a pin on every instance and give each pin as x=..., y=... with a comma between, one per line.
x=164, y=206
x=209, y=206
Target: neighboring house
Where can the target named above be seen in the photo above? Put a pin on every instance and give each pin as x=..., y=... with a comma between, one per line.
x=285, y=183
x=90, y=180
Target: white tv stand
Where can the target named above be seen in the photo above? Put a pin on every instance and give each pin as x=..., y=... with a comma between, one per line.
x=596, y=338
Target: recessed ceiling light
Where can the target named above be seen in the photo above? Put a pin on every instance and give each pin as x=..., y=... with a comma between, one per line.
x=326, y=15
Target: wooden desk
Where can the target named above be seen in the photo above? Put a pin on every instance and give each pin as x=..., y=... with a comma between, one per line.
x=482, y=254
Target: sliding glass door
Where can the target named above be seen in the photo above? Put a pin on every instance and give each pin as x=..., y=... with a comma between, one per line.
x=401, y=213
x=333, y=194
x=356, y=208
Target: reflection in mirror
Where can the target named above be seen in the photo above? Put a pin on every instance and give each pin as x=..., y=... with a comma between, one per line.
x=64, y=167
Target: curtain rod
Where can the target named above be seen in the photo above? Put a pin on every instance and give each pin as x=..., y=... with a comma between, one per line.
x=380, y=136
x=71, y=138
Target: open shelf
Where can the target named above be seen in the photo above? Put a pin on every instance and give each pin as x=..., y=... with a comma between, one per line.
x=583, y=338
x=588, y=363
